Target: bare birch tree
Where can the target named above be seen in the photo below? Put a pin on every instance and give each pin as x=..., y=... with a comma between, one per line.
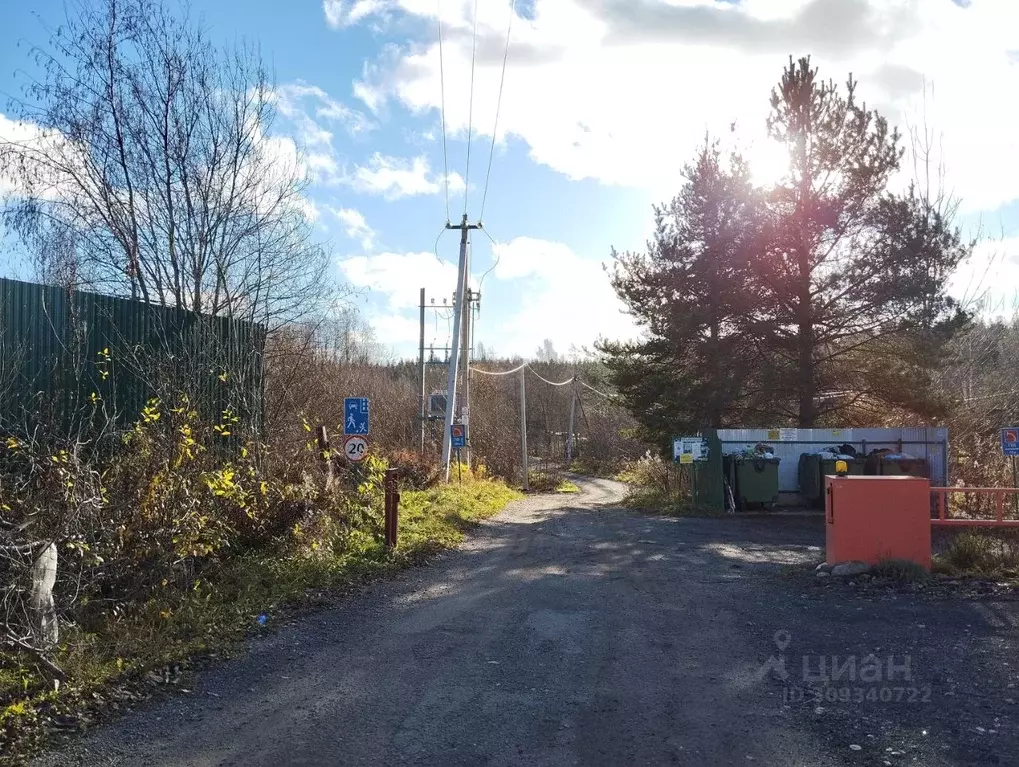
x=151, y=170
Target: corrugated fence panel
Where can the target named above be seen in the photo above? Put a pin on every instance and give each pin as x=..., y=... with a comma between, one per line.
x=930, y=443
x=53, y=344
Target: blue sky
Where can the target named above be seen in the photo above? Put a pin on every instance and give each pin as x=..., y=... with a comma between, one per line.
x=604, y=100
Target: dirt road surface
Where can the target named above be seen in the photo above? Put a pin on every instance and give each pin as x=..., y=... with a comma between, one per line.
x=568, y=631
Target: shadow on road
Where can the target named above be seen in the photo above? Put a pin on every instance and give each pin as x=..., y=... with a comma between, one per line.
x=594, y=635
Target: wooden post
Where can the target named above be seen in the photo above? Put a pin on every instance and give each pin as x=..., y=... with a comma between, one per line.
x=392, y=508
x=325, y=455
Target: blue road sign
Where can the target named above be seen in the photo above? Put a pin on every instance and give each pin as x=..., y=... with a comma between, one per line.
x=355, y=415
x=458, y=435
x=1010, y=441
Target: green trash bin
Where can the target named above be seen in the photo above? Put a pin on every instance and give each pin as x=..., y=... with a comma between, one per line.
x=814, y=468
x=905, y=467
x=728, y=480
x=755, y=481
x=853, y=465
x=809, y=473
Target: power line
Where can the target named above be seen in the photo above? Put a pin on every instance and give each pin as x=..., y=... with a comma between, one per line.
x=442, y=109
x=600, y=393
x=435, y=248
x=517, y=369
x=550, y=383
x=498, y=106
x=495, y=253
x=520, y=367
x=470, y=108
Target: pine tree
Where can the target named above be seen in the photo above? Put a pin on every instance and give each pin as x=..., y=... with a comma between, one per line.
x=844, y=266
x=690, y=294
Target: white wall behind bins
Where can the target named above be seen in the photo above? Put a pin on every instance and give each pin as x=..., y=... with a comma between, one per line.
x=929, y=443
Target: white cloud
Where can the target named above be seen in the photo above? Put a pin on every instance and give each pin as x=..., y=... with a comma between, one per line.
x=303, y=102
x=311, y=114
x=564, y=297
x=393, y=178
x=40, y=147
x=309, y=209
x=622, y=90
x=343, y=13
x=356, y=227
x=395, y=329
x=399, y=277
x=989, y=281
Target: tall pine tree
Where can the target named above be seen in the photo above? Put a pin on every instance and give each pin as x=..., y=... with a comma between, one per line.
x=690, y=293
x=821, y=299
x=843, y=264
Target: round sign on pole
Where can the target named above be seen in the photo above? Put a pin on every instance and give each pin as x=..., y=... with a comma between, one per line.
x=355, y=447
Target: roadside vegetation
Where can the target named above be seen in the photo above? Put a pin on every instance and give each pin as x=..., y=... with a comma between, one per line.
x=661, y=487
x=980, y=555
x=176, y=545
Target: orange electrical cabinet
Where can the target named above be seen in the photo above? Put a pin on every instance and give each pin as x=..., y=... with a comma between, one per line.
x=870, y=519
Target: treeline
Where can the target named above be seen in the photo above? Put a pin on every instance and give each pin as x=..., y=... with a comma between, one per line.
x=817, y=299
x=313, y=369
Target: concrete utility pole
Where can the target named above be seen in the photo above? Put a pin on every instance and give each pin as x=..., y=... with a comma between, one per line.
x=523, y=425
x=462, y=277
x=421, y=362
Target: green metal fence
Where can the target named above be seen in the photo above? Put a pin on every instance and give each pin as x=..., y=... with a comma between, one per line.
x=61, y=351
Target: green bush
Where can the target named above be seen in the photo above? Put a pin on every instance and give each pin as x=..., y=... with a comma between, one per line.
x=980, y=554
x=171, y=547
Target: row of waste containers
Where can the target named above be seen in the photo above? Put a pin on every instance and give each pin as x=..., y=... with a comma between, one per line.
x=813, y=468
x=753, y=480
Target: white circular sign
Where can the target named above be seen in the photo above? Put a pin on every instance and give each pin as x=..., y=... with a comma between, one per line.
x=355, y=447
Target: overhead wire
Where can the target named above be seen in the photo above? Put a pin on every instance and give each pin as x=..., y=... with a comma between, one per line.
x=517, y=369
x=442, y=108
x=550, y=383
x=498, y=107
x=435, y=248
x=527, y=365
x=600, y=393
x=495, y=257
x=470, y=107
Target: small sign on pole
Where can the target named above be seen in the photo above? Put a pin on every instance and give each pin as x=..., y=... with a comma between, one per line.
x=1010, y=441
x=355, y=415
x=458, y=435
x=355, y=447
x=1010, y=449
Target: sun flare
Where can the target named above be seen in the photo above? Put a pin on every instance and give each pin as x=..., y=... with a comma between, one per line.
x=768, y=161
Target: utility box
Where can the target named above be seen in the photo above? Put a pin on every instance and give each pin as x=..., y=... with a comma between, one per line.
x=437, y=404
x=870, y=519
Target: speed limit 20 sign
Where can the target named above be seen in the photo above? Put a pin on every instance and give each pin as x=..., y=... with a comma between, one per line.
x=355, y=447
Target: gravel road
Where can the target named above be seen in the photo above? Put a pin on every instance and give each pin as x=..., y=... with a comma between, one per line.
x=567, y=631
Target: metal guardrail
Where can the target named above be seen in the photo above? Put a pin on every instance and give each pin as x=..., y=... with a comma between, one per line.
x=941, y=494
